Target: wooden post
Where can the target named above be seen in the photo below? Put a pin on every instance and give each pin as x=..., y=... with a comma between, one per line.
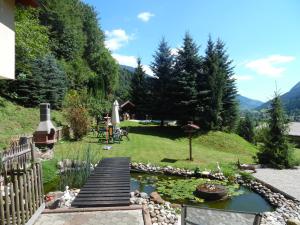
x=2, y=217
x=12, y=204
x=190, y=140
x=21, y=186
x=17, y=200
x=32, y=147
x=7, y=209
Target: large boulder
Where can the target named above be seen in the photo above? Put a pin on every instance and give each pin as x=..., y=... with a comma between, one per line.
x=293, y=222
x=155, y=197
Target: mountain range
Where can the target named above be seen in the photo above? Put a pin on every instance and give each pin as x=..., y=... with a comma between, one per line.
x=248, y=103
x=290, y=100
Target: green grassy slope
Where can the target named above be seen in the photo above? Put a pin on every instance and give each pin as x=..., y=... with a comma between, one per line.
x=17, y=120
x=167, y=146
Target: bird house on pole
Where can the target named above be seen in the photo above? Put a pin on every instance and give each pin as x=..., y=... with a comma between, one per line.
x=190, y=128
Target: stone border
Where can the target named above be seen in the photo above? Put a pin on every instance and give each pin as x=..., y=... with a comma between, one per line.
x=169, y=170
x=274, y=189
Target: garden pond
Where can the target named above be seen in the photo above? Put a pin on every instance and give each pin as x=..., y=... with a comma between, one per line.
x=178, y=190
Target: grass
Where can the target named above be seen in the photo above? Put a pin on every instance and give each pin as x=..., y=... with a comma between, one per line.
x=167, y=146
x=17, y=120
x=297, y=155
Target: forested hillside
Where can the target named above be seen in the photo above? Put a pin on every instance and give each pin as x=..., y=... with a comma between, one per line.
x=290, y=101
x=248, y=103
x=60, y=47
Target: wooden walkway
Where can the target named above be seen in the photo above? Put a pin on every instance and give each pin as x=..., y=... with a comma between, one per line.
x=109, y=185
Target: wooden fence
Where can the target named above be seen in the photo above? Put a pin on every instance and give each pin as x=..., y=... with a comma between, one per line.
x=17, y=156
x=21, y=196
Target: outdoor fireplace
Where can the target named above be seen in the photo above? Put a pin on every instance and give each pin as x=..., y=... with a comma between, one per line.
x=45, y=133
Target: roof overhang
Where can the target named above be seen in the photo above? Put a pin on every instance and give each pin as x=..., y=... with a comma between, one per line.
x=32, y=3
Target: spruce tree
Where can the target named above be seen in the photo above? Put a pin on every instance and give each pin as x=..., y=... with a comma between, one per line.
x=229, y=113
x=213, y=80
x=276, y=151
x=139, y=90
x=162, y=68
x=246, y=128
x=187, y=67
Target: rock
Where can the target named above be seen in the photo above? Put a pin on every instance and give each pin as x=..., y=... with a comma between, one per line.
x=60, y=165
x=144, y=195
x=293, y=222
x=175, y=206
x=152, y=214
x=155, y=197
x=133, y=200
x=53, y=204
x=137, y=193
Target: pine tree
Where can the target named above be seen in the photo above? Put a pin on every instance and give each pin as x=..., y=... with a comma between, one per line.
x=213, y=80
x=184, y=93
x=139, y=90
x=229, y=113
x=276, y=151
x=162, y=68
x=246, y=128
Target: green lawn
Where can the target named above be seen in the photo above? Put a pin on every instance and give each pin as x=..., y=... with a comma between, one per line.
x=166, y=146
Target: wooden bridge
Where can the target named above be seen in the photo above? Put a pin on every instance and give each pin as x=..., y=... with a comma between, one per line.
x=109, y=185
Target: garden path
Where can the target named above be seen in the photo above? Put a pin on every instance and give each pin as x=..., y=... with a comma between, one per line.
x=120, y=217
x=287, y=180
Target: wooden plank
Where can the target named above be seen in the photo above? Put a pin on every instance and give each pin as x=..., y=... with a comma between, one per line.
x=103, y=203
x=109, y=185
x=2, y=217
x=104, y=191
x=102, y=198
x=12, y=203
x=105, y=194
x=37, y=199
x=17, y=200
x=30, y=205
x=7, y=209
x=26, y=196
x=21, y=186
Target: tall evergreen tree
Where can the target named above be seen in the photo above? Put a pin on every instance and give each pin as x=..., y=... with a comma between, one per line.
x=162, y=68
x=246, y=128
x=213, y=81
x=187, y=66
x=139, y=90
x=276, y=151
x=229, y=113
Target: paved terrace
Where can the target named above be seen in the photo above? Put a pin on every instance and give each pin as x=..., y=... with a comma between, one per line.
x=129, y=216
x=287, y=180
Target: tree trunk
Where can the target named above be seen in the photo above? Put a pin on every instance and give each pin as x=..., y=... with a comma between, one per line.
x=161, y=122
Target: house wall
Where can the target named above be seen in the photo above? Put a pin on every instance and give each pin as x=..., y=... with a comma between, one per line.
x=7, y=39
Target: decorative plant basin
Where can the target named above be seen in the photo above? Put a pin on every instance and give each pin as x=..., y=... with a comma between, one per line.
x=211, y=191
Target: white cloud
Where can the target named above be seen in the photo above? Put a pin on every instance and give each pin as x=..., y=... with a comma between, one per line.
x=125, y=60
x=117, y=38
x=174, y=51
x=148, y=70
x=145, y=16
x=267, y=66
x=131, y=61
x=242, y=77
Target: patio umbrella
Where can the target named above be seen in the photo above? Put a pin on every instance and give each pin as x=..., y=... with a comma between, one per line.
x=115, y=118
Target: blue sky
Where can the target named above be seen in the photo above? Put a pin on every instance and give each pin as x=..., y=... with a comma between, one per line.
x=262, y=36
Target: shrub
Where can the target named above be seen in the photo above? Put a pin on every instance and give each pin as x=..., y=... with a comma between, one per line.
x=76, y=114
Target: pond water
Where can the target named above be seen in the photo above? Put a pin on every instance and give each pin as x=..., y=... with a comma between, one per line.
x=248, y=201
